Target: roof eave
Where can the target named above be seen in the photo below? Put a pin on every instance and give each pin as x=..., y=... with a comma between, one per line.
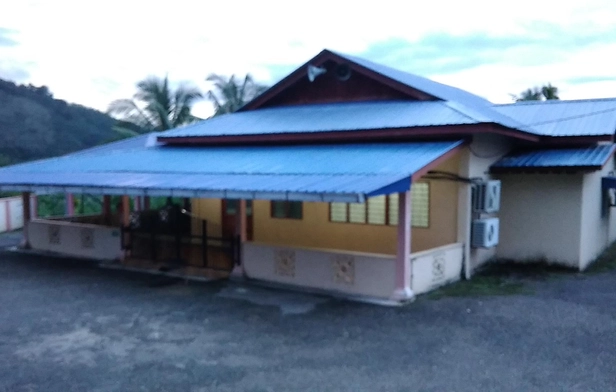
x=409, y=133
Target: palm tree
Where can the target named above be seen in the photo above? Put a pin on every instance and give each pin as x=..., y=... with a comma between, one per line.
x=156, y=106
x=228, y=95
x=545, y=92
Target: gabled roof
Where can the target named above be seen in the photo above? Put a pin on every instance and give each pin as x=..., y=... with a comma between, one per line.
x=589, y=117
x=464, y=101
x=591, y=158
x=348, y=173
x=344, y=116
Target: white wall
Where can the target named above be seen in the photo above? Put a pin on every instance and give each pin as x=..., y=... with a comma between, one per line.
x=11, y=214
x=354, y=273
x=436, y=267
x=75, y=239
x=476, y=160
x=540, y=217
x=596, y=232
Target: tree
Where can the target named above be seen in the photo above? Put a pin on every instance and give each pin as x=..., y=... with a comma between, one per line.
x=228, y=95
x=156, y=106
x=545, y=92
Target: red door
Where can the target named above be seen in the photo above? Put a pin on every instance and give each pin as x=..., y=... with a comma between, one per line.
x=229, y=218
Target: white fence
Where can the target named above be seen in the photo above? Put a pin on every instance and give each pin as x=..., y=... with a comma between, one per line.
x=75, y=239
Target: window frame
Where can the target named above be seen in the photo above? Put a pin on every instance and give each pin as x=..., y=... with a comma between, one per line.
x=287, y=209
x=387, y=212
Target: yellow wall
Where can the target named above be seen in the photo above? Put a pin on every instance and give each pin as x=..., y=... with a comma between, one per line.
x=315, y=229
x=210, y=210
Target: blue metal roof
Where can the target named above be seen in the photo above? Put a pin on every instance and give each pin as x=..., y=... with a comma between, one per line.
x=349, y=172
x=349, y=116
x=591, y=117
x=468, y=103
x=595, y=156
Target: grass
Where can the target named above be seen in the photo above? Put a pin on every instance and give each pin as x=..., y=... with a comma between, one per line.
x=480, y=286
x=605, y=262
x=502, y=278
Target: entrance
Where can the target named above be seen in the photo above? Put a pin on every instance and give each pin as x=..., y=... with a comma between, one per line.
x=229, y=218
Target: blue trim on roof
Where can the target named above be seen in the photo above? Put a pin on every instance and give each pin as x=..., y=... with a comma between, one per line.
x=348, y=172
x=594, y=156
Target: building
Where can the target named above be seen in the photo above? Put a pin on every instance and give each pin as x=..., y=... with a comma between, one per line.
x=346, y=177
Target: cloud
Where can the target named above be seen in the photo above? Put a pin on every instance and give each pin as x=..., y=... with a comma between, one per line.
x=5, y=37
x=504, y=48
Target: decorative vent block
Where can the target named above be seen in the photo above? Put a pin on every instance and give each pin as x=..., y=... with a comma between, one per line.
x=54, y=234
x=285, y=263
x=87, y=238
x=344, y=269
x=438, y=267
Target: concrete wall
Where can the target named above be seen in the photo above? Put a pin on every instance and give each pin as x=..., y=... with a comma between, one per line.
x=349, y=273
x=75, y=239
x=484, y=150
x=11, y=214
x=541, y=217
x=316, y=231
x=597, y=224
x=436, y=267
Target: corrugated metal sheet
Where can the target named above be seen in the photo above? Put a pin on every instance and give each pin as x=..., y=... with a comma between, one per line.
x=327, y=117
x=595, y=156
x=592, y=117
x=468, y=103
x=325, y=172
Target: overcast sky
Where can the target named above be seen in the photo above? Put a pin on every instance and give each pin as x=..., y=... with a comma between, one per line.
x=93, y=52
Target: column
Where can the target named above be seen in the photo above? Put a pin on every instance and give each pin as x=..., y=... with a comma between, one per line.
x=70, y=205
x=25, y=198
x=240, y=231
x=34, y=206
x=125, y=210
x=403, y=290
x=107, y=209
x=146, y=202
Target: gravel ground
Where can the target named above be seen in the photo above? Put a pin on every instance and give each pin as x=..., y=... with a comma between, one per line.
x=67, y=325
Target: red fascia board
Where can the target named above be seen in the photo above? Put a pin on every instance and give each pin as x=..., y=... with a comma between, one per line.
x=352, y=136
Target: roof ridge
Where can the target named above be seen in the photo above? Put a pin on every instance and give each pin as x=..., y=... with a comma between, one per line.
x=554, y=101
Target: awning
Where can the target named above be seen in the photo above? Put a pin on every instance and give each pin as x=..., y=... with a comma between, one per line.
x=581, y=158
x=346, y=173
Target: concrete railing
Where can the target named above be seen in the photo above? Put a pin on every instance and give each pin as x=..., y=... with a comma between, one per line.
x=11, y=214
x=436, y=267
x=351, y=273
x=75, y=239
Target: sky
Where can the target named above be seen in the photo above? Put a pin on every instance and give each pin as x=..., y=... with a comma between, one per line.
x=92, y=52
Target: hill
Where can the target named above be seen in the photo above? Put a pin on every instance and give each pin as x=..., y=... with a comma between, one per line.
x=33, y=124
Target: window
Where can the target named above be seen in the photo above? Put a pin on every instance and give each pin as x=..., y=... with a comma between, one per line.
x=383, y=210
x=286, y=209
x=231, y=206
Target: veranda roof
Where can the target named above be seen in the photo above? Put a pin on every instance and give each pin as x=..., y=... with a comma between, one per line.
x=348, y=172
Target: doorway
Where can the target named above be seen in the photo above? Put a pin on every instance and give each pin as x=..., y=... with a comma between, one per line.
x=229, y=218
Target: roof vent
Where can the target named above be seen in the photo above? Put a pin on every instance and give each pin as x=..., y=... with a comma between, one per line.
x=343, y=72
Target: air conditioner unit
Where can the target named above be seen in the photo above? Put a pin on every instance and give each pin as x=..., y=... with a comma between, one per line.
x=486, y=196
x=484, y=233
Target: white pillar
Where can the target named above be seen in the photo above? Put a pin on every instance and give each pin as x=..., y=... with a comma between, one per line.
x=403, y=290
